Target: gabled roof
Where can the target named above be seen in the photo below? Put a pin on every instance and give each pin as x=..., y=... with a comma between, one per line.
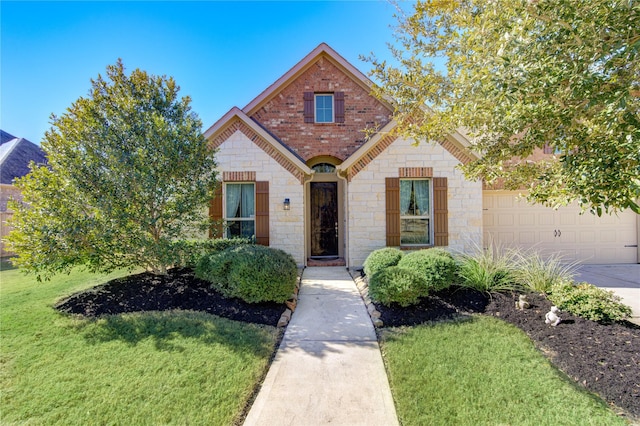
x=236, y=120
x=323, y=50
x=456, y=143
x=5, y=137
x=15, y=156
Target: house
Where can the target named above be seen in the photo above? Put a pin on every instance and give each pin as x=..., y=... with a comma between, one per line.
x=300, y=173
x=15, y=156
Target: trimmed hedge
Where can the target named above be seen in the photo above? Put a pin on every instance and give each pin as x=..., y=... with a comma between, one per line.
x=381, y=259
x=396, y=285
x=436, y=266
x=590, y=302
x=252, y=273
x=187, y=253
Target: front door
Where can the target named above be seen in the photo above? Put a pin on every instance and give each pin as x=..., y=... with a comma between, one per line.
x=324, y=219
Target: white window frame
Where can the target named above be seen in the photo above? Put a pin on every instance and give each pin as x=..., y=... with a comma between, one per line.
x=251, y=218
x=315, y=107
x=428, y=216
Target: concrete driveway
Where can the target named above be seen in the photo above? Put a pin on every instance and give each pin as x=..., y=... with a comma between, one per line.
x=623, y=280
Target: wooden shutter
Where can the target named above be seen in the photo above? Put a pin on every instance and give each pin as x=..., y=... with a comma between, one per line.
x=338, y=99
x=440, y=212
x=215, y=213
x=392, y=198
x=262, y=213
x=308, y=107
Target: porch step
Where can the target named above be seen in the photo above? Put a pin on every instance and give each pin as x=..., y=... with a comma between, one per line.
x=326, y=262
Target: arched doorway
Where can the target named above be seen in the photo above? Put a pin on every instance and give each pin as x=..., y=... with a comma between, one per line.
x=325, y=210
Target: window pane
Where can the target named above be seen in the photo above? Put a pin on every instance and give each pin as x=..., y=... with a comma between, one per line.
x=240, y=200
x=414, y=197
x=240, y=228
x=324, y=108
x=414, y=231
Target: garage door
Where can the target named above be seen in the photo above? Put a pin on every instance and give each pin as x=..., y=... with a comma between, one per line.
x=586, y=238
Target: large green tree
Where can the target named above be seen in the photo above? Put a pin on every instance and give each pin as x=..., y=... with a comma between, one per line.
x=128, y=172
x=521, y=75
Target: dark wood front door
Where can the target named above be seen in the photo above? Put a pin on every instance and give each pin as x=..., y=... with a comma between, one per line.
x=324, y=219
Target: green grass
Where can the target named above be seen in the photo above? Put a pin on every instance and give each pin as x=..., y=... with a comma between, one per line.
x=482, y=372
x=143, y=368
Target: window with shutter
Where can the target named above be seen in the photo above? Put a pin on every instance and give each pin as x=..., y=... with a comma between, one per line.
x=411, y=213
x=339, y=104
x=308, y=107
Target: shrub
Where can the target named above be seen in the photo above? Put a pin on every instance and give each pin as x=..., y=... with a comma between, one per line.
x=397, y=285
x=436, y=266
x=252, y=273
x=588, y=301
x=187, y=253
x=540, y=274
x=380, y=259
x=487, y=270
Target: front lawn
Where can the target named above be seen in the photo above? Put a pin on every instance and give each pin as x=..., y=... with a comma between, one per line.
x=481, y=371
x=137, y=368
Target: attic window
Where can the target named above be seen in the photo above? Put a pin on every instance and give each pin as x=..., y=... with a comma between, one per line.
x=324, y=107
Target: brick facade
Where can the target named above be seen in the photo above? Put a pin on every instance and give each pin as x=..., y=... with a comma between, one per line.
x=283, y=114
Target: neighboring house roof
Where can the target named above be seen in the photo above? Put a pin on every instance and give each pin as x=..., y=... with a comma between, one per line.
x=15, y=156
x=5, y=137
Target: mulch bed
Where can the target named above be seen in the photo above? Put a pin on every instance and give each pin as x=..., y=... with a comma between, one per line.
x=179, y=289
x=603, y=358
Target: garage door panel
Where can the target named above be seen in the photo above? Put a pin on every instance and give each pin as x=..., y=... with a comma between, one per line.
x=582, y=237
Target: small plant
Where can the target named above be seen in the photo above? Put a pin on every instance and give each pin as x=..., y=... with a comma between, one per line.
x=436, y=266
x=397, y=285
x=540, y=274
x=487, y=270
x=588, y=301
x=381, y=259
x=252, y=273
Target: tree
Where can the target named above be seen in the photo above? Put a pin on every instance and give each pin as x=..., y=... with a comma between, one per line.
x=521, y=75
x=128, y=172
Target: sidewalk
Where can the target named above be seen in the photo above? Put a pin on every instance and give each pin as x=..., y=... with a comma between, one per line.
x=328, y=369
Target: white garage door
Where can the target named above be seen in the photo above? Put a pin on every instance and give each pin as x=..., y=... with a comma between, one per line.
x=586, y=238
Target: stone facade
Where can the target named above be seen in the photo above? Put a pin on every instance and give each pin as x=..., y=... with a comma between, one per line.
x=366, y=198
x=286, y=228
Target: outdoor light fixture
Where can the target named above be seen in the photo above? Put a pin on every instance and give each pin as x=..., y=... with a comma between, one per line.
x=287, y=204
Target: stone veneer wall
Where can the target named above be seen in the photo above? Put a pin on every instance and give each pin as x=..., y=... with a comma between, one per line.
x=286, y=228
x=366, y=198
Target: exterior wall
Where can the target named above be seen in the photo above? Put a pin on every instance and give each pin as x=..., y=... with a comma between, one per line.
x=283, y=115
x=286, y=228
x=7, y=192
x=366, y=198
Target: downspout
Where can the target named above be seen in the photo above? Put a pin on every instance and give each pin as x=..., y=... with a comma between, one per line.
x=342, y=175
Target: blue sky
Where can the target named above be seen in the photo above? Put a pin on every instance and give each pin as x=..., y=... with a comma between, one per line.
x=222, y=54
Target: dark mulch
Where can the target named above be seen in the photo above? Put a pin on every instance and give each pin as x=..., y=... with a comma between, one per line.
x=603, y=358
x=179, y=289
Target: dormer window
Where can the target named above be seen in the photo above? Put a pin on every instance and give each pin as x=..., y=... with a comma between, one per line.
x=324, y=107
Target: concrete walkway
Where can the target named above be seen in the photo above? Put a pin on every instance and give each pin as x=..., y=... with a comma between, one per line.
x=328, y=369
x=623, y=280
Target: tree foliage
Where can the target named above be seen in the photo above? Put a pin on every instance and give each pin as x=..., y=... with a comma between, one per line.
x=519, y=75
x=128, y=172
